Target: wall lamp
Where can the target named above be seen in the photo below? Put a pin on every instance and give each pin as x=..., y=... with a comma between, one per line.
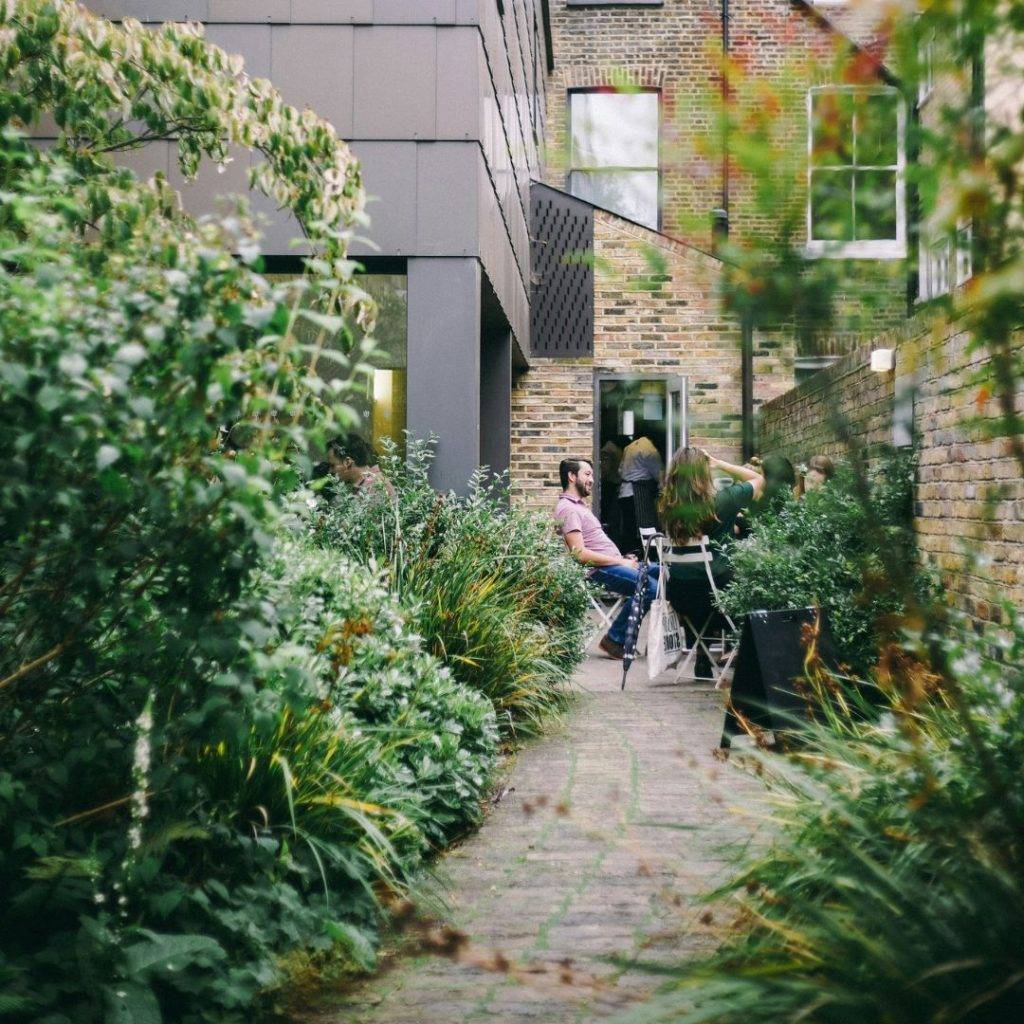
x=883, y=359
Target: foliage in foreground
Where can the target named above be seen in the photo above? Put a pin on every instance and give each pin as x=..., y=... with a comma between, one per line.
x=834, y=549
x=216, y=746
x=489, y=587
x=893, y=887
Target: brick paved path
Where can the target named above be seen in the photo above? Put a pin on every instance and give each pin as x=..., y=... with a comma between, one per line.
x=618, y=818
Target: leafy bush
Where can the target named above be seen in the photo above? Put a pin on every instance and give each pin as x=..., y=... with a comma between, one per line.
x=838, y=548
x=893, y=885
x=190, y=785
x=370, y=669
x=489, y=587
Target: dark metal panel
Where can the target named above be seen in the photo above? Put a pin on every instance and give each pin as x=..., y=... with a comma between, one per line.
x=413, y=12
x=446, y=198
x=389, y=176
x=458, y=83
x=207, y=192
x=562, y=274
x=250, y=10
x=496, y=354
x=395, y=82
x=444, y=365
x=312, y=67
x=496, y=401
x=151, y=10
x=251, y=41
x=332, y=11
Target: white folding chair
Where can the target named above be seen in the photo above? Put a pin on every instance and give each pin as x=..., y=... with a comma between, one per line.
x=607, y=606
x=721, y=651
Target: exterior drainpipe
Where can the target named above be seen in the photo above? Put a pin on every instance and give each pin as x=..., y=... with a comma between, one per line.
x=720, y=230
x=725, y=125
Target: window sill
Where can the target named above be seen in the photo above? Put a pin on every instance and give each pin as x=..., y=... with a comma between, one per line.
x=877, y=250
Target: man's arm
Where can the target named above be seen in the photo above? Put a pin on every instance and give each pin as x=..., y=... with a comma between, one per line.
x=574, y=542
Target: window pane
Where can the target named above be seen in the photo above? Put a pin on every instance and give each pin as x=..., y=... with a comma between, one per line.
x=614, y=129
x=380, y=400
x=877, y=130
x=832, y=137
x=875, y=205
x=632, y=194
x=831, y=206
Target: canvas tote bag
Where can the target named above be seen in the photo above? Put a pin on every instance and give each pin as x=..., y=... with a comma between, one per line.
x=665, y=638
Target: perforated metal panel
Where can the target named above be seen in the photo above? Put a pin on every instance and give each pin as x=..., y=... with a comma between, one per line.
x=562, y=274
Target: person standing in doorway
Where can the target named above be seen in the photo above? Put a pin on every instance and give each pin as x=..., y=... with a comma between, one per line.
x=589, y=544
x=640, y=473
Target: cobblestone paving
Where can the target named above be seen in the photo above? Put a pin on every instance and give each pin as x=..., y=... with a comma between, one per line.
x=612, y=824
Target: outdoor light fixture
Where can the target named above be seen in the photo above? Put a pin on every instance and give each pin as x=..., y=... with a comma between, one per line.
x=883, y=359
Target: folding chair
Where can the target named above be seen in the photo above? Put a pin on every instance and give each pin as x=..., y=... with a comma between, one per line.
x=607, y=605
x=723, y=647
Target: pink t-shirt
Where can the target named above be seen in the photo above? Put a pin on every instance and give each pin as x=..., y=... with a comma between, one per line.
x=572, y=514
x=374, y=478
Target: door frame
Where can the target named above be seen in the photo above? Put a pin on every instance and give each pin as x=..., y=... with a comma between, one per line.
x=684, y=383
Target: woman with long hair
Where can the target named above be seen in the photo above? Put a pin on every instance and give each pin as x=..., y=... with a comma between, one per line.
x=691, y=508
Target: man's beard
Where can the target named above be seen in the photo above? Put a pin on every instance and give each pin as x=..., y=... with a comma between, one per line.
x=582, y=490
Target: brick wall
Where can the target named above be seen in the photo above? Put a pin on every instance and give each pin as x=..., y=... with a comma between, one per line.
x=675, y=47
x=970, y=494
x=670, y=322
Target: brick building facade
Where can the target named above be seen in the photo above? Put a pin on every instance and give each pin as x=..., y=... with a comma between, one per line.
x=969, y=513
x=778, y=50
x=673, y=50
x=670, y=323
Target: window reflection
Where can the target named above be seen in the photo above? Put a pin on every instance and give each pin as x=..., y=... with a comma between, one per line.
x=614, y=152
x=379, y=400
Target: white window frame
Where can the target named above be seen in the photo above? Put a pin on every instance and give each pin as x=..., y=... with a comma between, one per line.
x=616, y=169
x=925, y=69
x=867, y=248
x=944, y=263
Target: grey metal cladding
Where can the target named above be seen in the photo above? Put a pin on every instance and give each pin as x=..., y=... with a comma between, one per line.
x=561, y=274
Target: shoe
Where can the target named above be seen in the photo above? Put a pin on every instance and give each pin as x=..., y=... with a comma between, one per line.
x=611, y=648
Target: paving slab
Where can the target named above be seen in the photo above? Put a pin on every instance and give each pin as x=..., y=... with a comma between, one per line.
x=612, y=826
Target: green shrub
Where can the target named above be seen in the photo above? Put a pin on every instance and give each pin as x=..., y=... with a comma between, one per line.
x=129, y=626
x=489, y=587
x=892, y=887
x=369, y=668
x=190, y=785
x=837, y=548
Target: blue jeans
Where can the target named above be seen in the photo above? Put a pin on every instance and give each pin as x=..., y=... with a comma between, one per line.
x=621, y=579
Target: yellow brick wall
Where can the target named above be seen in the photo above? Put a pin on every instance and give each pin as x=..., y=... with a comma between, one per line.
x=669, y=322
x=970, y=493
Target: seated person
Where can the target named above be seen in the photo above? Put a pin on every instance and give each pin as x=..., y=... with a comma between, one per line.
x=586, y=540
x=353, y=462
x=820, y=469
x=691, y=508
x=781, y=480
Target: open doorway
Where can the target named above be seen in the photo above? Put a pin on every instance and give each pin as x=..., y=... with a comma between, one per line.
x=627, y=408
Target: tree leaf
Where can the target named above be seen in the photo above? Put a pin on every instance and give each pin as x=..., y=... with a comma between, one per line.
x=158, y=951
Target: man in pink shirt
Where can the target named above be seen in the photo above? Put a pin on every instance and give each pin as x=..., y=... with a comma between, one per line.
x=353, y=462
x=586, y=540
